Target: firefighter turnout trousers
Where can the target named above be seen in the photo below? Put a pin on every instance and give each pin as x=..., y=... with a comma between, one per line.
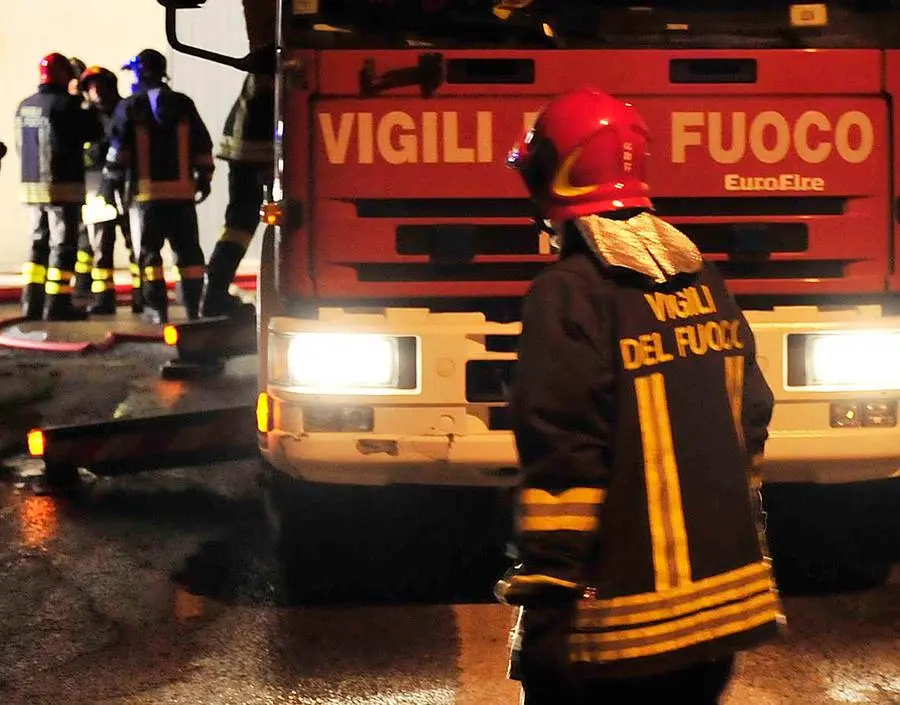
x=50, y=269
x=103, y=286
x=84, y=263
x=245, y=196
x=175, y=221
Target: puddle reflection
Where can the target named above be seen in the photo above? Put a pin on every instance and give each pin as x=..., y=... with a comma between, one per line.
x=39, y=520
x=187, y=606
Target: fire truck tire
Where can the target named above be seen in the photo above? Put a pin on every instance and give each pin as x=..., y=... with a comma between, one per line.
x=342, y=543
x=177, y=370
x=829, y=538
x=59, y=479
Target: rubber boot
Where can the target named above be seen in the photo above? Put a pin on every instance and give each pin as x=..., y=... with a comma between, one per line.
x=33, y=301
x=81, y=295
x=191, y=291
x=82, y=288
x=156, y=302
x=59, y=307
x=104, y=303
x=220, y=272
x=137, y=293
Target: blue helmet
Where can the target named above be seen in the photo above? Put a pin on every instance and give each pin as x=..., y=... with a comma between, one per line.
x=149, y=68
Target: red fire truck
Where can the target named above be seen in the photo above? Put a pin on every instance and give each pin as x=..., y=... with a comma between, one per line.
x=399, y=244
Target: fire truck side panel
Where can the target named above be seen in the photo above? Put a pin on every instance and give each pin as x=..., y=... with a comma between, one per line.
x=892, y=88
x=294, y=169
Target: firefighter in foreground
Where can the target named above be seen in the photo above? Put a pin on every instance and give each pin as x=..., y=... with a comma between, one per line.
x=247, y=146
x=52, y=129
x=160, y=144
x=102, y=89
x=638, y=412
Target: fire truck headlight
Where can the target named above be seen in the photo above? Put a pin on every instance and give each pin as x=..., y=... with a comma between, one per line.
x=867, y=360
x=351, y=363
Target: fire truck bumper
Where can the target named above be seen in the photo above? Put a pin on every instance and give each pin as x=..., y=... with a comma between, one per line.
x=823, y=459
x=837, y=393
x=401, y=396
x=339, y=458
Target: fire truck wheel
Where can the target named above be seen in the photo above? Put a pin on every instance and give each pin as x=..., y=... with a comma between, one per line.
x=342, y=543
x=829, y=538
x=59, y=479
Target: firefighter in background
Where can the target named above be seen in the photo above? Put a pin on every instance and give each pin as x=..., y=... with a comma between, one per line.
x=51, y=132
x=78, y=67
x=641, y=570
x=160, y=145
x=247, y=146
x=84, y=257
x=102, y=89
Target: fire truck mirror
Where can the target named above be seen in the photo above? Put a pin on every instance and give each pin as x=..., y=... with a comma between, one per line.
x=181, y=4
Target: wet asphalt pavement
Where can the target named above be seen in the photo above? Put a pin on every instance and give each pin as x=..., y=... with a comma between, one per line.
x=166, y=587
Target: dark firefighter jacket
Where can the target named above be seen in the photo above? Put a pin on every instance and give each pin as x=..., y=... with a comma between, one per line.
x=163, y=152
x=95, y=154
x=637, y=408
x=250, y=126
x=51, y=131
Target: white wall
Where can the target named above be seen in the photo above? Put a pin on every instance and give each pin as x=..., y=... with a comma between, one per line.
x=87, y=29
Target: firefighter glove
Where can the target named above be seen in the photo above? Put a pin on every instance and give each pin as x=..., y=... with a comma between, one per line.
x=517, y=587
x=107, y=190
x=203, y=188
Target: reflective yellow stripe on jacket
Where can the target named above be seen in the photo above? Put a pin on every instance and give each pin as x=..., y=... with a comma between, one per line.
x=734, y=383
x=719, y=606
x=36, y=192
x=576, y=509
x=671, y=560
x=256, y=151
x=680, y=612
x=181, y=189
x=542, y=512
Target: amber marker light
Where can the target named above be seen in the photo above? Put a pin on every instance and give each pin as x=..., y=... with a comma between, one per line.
x=170, y=335
x=271, y=213
x=36, y=442
x=263, y=413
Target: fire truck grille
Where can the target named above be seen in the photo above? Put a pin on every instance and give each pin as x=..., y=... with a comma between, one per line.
x=665, y=207
x=487, y=381
x=475, y=272
x=750, y=238
x=461, y=242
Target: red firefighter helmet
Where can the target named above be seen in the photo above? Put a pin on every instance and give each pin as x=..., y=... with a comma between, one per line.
x=56, y=70
x=587, y=153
